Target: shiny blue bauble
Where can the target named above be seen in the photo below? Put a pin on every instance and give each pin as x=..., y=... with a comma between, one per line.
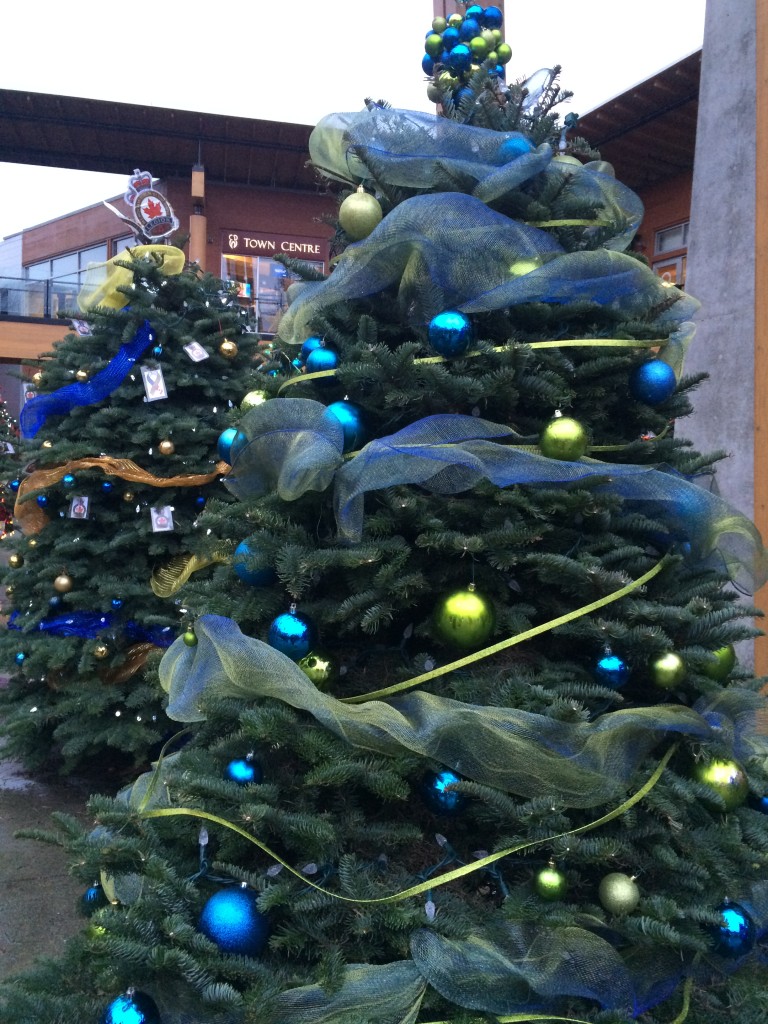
x=107, y=486
x=737, y=933
x=438, y=797
x=461, y=94
x=512, y=148
x=612, y=671
x=20, y=657
x=321, y=359
x=492, y=17
x=252, y=565
x=55, y=601
x=15, y=485
x=460, y=58
x=292, y=634
x=427, y=64
x=469, y=28
x=68, y=480
x=758, y=803
x=200, y=503
x=350, y=416
x=92, y=899
x=157, y=351
x=450, y=334
x=309, y=346
x=230, y=920
x=117, y=603
x=42, y=500
x=243, y=770
x=652, y=382
x=497, y=72
x=474, y=12
x=450, y=37
x=231, y=442
x=132, y=1008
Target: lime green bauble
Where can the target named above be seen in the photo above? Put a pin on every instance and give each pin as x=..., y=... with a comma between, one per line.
x=618, y=893
x=563, y=438
x=319, y=669
x=550, y=883
x=447, y=81
x=478, y=47
x=439, y=24
x=489, y=37
x=497, y=36
x=359, y=214
x=252, y=399
x=520, y=267
x=464, y=619
x=493, y=57
x=720, y=663
x=433, y=45
x=504, y=53
x=190, y=638
x=726, y=779
x=667, y=671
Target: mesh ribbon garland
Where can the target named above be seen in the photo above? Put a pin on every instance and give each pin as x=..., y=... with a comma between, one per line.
x=103, y=280
x=58, y=403
x=172, y=576
x=295, y=445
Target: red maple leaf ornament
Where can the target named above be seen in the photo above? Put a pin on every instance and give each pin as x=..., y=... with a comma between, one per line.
x=152, y=209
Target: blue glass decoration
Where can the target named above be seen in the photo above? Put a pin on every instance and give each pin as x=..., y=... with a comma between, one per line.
x=85, y=625
x=491, y=18
x=58, y=403
x=15, y=485
x=469, y=28
x=68, y=480
x=20, y=657
x=322, y=358
x=157, y=351
x=297, y=363
x=438, y=797
x=652, y=382
x=474, y=12
x=427, y=64
x=42, y=500
x=56, y=601
x=612, y=671
x=160, y=636
x=515, y=147
x=450, y=334
x=107, y=486
x=200, y=502
x=350, y=416
x=450, y=37
x=292, y=634
x=460, y=58
x=117, y=603
x=93, y=898
x=736, y=935
x=498, y=71
x=230, y=920
x=309, y=345
x=231, y=442
x=132, y=1008
x=244, y=770
x=758, y=803
x=252, y=565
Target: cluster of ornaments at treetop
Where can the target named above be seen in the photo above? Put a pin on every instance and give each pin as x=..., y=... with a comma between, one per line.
x=456, y=48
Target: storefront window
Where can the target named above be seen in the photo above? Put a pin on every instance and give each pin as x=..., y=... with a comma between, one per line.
x=261, y=286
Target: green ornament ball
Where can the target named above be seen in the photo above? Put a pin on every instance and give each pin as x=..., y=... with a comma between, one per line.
x=563, y=438
x=253, y=399
x=434, y=95
x=504, y=53
x=433, y=45
x=550, y=883
x=725, y=778
x=667, y=671
x=439, y=25
x=464, y=619
x=618, y=893
x=720, y=663
x=189, y=638
x=319, y=669
x=478, y=47
x=359, y=214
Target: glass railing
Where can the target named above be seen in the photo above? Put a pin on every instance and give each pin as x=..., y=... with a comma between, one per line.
x=22, y=298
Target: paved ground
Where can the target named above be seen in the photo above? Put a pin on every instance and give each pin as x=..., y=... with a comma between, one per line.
x=38, y=899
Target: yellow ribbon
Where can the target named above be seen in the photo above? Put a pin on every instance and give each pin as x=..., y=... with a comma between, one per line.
x=103, y=279
x=577, y=613
x=172, y=576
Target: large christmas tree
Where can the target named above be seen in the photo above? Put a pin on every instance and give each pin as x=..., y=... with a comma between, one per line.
x=117, y=458
x=468, y=735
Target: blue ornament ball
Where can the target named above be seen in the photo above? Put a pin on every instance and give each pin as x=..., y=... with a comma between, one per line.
x=107, y=486
x=55, y=601
x=427, y=64
x=460, y=58
x=350, y=416
x=450, y=334
x=758, y=803
x=230, y=920
x=231, y=442
x=469, y=28
x=612, y=671
x=92, y=899
x=68, y=480
x=322, y=358
x=514, y=147
x=117, y=603
x=450, y=37
x=465, y=93
x=292, y=634
x=652, y=382
x=200, y=503
x=309, y=345
x=474, y=12
x=15, y=485
x=132, y=1008
x=20, y=657
x=42, y=500
x=736, y=935
x=438, y=797
x=244, y=770
x=252, y=565
x=492, y=18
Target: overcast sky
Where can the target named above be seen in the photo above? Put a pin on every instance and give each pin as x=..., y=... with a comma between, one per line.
x=297, y=61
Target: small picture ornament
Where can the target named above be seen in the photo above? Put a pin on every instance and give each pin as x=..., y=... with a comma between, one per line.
x=154, y=383
x=195, y=351
x=78, y=507
x=162, y=519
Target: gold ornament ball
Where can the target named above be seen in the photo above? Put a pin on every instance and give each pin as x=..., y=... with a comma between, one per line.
x=667, y=671
x=563, y=438
x=100, y=651
x=253, y=399
x=37, y=378
x=618, y=893
x=16, y=560
x=129, y=496
x=464, y=619
x=726, y=779
x=550, y=883
x=456, y=20
x=319, y=669
x=166, y=447
x=359, y=214
x=228, y=349
x=62, y=583
x=82, y=375
x=189, y=638
x=720, y=663
x=32, y=542
x=447, y=81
